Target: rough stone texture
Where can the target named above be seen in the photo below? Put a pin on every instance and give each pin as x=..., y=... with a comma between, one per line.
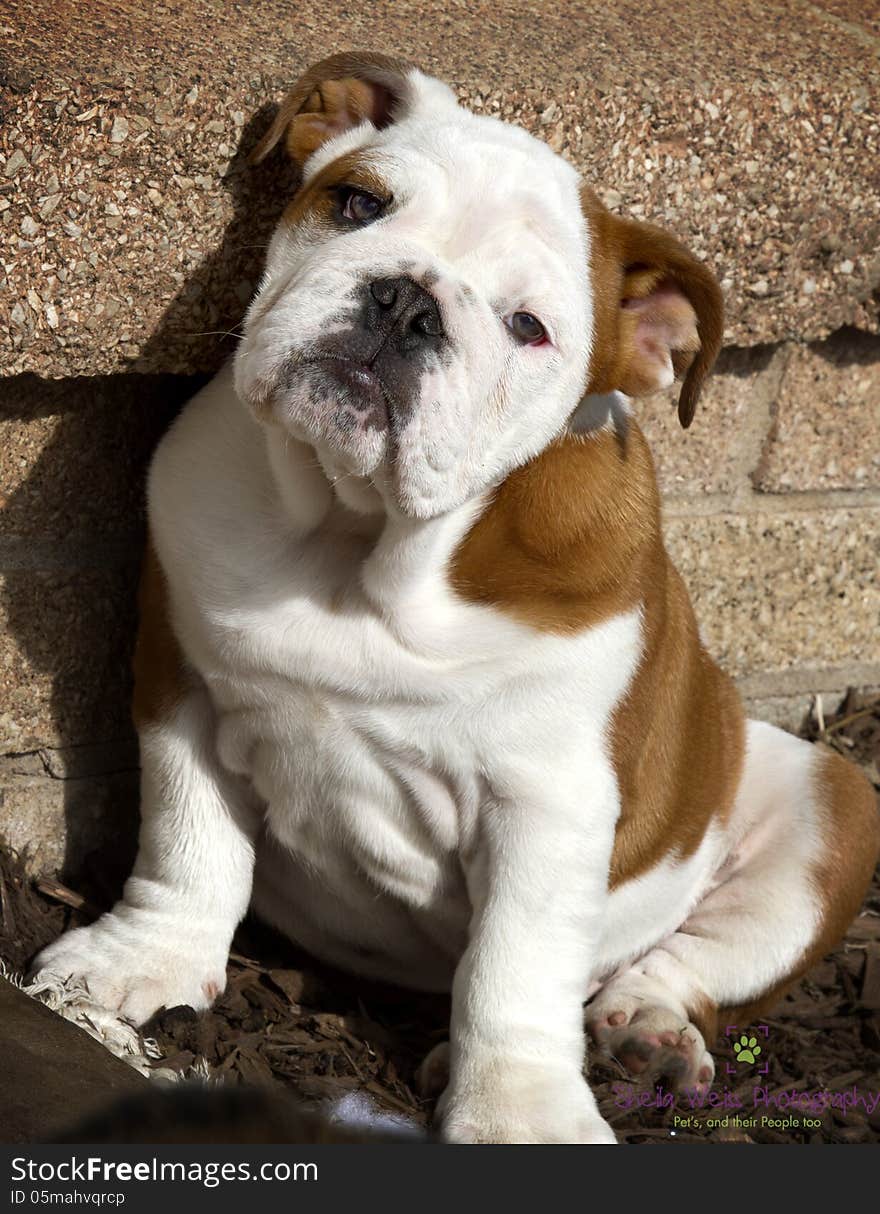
x=793, y=711
x=780, y=419
x=54, y=1074
x=775, y=592
x=786, y=712
x=73, y=454
x=826, y=431
x=716, y=454
x=73, y=825
x=862, y=16
x=65, y=643
x=133, y=232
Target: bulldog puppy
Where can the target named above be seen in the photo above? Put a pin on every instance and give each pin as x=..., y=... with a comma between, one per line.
x=415, y=674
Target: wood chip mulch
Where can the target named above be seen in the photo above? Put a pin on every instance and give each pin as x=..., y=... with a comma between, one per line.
x=286, y=1020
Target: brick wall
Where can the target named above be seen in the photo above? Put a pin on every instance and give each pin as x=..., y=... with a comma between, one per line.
x=772, y=506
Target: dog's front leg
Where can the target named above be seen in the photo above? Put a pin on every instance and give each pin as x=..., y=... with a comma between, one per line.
x=167, y=941
x=538, y=883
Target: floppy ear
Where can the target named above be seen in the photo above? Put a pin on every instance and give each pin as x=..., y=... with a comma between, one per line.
x=333, y=96
x=659, y=314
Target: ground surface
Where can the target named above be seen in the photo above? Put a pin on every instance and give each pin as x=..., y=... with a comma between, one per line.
x=285, y=1020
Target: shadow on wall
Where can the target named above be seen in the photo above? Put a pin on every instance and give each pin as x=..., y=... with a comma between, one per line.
x=73, y=534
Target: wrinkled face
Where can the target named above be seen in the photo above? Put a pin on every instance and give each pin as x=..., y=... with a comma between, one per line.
x=425, y=320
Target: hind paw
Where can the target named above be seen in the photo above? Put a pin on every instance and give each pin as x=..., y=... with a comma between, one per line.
x=651, y=1042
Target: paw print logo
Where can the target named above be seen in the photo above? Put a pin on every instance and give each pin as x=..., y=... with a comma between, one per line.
x=747, y=1049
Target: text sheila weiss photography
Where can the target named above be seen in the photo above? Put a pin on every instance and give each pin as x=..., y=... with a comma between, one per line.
x=810, y=1100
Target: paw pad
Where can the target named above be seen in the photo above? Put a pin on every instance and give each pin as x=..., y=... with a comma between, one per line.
x=746, y=1049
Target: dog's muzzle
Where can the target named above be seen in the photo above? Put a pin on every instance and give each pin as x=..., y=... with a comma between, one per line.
x=396, y=333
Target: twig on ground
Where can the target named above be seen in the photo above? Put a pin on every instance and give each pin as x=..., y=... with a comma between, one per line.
x=68, y=897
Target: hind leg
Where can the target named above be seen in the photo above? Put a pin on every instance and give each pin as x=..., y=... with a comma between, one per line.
x=804, y=839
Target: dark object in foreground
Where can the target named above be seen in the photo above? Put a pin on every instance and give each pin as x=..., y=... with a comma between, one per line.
x=52, y=1071
x=194, y=1113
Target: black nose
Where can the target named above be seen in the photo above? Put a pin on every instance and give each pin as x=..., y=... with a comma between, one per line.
x=402, y=309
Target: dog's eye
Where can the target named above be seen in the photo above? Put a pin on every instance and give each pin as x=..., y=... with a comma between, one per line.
x=526, y=328
x=359, y=205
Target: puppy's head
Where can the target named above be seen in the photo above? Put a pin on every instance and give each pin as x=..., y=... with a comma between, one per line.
x=441, y=292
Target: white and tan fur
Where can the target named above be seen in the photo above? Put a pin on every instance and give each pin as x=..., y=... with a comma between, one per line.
x=394, y=680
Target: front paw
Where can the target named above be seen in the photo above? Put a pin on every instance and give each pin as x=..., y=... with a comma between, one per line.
x=521, y=1102
x=134, y=962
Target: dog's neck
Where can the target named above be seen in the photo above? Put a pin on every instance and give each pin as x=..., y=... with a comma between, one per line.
x=401, y=554
x=310, y=479
x=313, y=493
x=322, y=502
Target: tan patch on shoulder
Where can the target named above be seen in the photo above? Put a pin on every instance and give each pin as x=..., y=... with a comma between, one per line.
x=160, y=673
x=558, y=545
x=571, y=540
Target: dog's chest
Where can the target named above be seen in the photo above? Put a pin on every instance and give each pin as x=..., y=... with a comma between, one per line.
x=364, y=750
x=351, y=786
x=372, y=742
